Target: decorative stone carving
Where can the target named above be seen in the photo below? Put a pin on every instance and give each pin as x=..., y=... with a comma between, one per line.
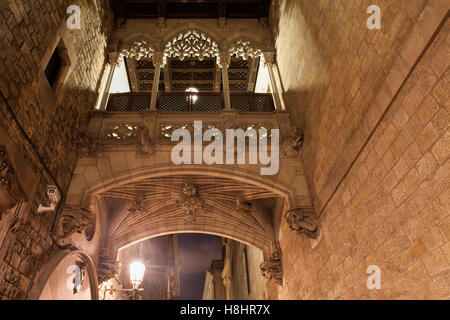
x=162, y=22
x=138, y=50
x=263, y=23
x=85, y=144
x=191, y=44
x=145, y=143
x=243, y=207
x=190, y=202
x=272, y=270
x=245, y=50
x=292, y=146
x=10, y=192
x=269, y=59
x=223, y=59
x=73, y=220
x=303, y=221
x=159, y=59
x=123, y=131
x=275, y=251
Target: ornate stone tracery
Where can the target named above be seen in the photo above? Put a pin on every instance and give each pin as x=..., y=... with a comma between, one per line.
x=245, y=50
x=191, y=44
x=303, y=220
x=138, y=50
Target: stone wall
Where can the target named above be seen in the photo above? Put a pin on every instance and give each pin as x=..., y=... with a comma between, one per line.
x=43, y=131
x=374, y=104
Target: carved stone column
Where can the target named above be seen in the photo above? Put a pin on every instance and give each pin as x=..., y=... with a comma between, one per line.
x=303, y=220
x=113, y=62
x=223, y=61
x=159, y=61
x=269, y=63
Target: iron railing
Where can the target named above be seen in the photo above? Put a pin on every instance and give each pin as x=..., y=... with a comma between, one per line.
x=191, y=102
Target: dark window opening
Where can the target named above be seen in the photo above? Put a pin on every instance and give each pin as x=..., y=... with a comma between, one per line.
x=53, y=68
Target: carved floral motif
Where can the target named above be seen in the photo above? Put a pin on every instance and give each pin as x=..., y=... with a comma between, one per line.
x=190, y=202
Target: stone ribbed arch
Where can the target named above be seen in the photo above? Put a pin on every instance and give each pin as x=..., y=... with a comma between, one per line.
x=251, y=177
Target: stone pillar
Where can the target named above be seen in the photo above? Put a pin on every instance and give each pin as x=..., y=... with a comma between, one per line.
x=223, y=61
x=113, y=62
x=159, y=61
x=269, y=63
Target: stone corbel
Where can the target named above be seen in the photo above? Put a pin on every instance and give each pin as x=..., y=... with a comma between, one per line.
x=293, y=145
x=272, y=268
x=85, y=144
x=303, y=220
x=72, y=220
x=11, y=194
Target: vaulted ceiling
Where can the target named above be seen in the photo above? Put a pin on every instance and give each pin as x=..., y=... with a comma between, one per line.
x=152, y=203
x=191, y=9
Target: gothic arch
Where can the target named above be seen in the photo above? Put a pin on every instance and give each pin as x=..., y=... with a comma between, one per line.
x=238, y=174
x=193, y=27
x=49, y=269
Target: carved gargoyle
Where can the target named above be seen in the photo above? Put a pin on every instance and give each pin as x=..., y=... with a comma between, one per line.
x=303, y=221
x=190, y=202
x=73, y=220
x=145, y=143
x=292, y=146
x=272, y=270
x=10, y=192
